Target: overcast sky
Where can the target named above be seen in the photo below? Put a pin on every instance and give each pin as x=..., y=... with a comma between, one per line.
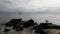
x=30, y=5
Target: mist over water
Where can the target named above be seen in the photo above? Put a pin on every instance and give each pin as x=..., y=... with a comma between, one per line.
x=54, y=18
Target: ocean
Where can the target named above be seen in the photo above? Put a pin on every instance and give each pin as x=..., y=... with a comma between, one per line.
x=53, y=18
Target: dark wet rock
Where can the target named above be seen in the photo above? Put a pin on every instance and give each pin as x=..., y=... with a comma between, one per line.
x=29, y=23
x=6, y=30
x=0, y=28
x=18, y=28
x=39, y=28
x=13, y=22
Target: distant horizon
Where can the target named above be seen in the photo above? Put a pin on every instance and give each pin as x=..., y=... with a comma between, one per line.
x=2, y=12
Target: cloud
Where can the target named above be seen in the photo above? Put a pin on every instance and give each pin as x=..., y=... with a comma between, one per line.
x=29, y=5
x=12, y=4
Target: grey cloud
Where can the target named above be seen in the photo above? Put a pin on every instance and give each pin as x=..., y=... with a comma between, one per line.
x=12, y=4
x=20, y=5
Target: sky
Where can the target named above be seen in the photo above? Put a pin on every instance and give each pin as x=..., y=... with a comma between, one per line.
x=30, y=6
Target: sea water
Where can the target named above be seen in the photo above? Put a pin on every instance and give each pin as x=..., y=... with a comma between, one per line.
x=53, y=18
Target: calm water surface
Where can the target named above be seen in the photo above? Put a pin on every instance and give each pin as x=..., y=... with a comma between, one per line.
x=54, y=18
